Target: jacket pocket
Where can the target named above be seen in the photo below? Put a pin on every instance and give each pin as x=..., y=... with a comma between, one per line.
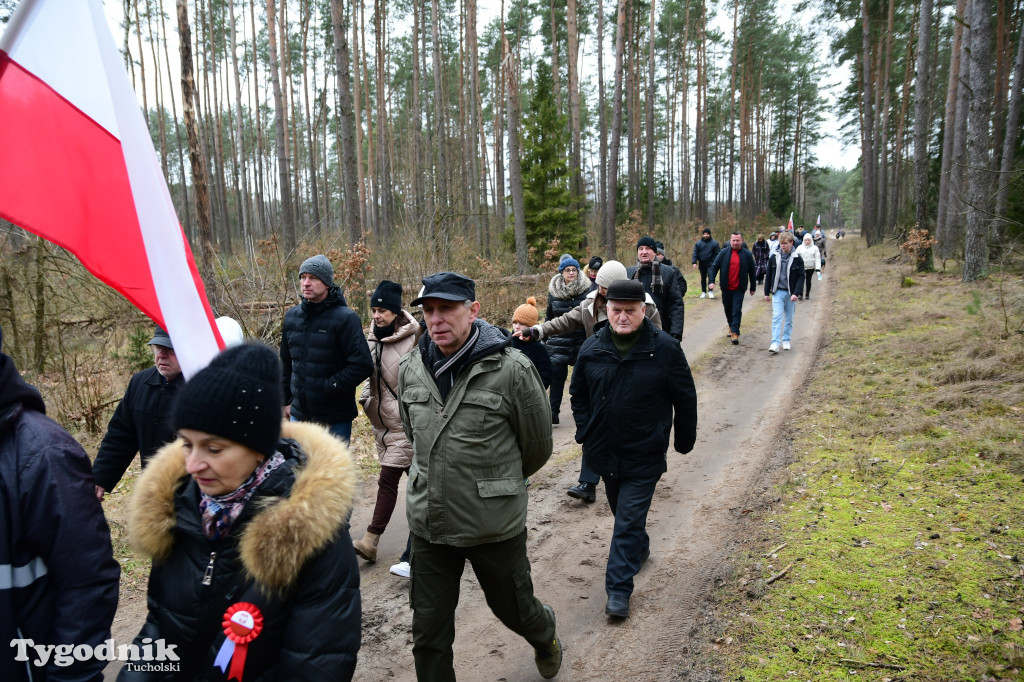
x=417, y=404
x=480, y=415
x=499, y=487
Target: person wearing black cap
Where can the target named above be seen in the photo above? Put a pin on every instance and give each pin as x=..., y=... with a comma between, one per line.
x=393, y=334
x=704, y=253
x=480, y=424
x=243, y=517
x=664, y=283
x=58, y=575
x=660, y=254
x=591, y=271
x=324, y=356
x=141, y=423
x=631, y=389
x=737, y=267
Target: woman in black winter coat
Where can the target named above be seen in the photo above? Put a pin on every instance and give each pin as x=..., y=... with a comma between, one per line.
x=566, y=290
x=253, y=574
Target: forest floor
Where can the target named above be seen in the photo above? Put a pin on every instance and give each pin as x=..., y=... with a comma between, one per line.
x=700, y=515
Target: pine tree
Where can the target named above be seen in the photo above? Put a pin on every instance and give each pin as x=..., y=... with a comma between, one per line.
x=551, y=209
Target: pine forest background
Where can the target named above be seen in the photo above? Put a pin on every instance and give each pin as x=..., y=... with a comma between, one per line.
x=404, y=137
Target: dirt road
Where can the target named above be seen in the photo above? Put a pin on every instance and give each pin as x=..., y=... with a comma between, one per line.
x=698, y=515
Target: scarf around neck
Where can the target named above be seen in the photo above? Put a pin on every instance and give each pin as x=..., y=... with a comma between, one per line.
x=657, y=285
x=220, y=511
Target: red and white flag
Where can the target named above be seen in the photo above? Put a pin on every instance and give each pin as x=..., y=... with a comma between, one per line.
x=79, y=168
x=790, y=226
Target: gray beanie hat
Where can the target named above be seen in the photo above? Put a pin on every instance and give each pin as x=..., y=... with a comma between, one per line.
x=610, y=272
x=319, y=267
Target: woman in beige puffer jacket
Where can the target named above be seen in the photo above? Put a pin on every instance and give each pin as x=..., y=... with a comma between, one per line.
x=393, y=334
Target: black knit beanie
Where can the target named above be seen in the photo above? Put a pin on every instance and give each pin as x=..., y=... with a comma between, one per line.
x=237, y=396
x=647, y=241
x=387, y=295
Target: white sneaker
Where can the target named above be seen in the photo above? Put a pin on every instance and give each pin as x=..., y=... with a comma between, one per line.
x=402, y=569
x=703, y=294
x=711, y=294
x=774, y=348
x=785, y=345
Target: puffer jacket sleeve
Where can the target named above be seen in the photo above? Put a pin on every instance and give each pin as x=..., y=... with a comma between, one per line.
x=286, y=366
x=327, y=606
x=531, y=415
x=358, y=364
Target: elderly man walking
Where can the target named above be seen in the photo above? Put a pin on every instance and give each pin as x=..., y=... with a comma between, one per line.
x=324, y=355
x=630, y=388
x=663, y=282
x=480, y=423
x=142, y=421
x=737, y=267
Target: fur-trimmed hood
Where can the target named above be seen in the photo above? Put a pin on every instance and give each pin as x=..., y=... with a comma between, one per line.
x=283, y=534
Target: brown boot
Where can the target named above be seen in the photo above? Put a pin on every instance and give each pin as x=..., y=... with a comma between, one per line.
x=367, y=547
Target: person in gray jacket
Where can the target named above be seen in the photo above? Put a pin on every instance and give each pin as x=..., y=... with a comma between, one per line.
x=479, y=421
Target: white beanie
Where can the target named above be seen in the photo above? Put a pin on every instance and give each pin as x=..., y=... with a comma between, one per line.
x=611, y=271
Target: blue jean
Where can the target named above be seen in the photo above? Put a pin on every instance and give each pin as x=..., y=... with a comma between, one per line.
x=782, y=306
x=630, y=500
x=342, y=430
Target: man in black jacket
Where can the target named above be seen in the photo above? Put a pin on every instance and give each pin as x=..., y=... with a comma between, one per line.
x=664, y=283
x=142, y=421
x=704, y=253
x=630, y=387
x=58, y=576
x=737, y=267
x=324, y=355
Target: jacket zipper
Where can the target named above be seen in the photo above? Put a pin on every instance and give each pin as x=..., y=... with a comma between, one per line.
x=208, y=573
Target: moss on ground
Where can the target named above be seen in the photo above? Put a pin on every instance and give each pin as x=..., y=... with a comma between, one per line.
x=899, y=535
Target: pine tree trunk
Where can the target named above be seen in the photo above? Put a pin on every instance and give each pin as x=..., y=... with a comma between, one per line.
x=346, y=122
x=922, y=117
x=650, y=126
x=240, y=162
x=283, y=165
x=195, y=154
x=868, y=228
x=305, y=16
x=441, y=171
x=602, y=133
x=979, y=183
x=575, y=160
x=514, y=154
x=1010, y=140
x=616, y=131
x=384, y=186
x=951, y=239
x=732, y=100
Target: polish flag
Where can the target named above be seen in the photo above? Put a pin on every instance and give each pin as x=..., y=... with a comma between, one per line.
x=790, y=226
x=79, y=168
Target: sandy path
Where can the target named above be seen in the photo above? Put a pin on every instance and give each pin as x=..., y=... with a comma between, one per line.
x=697, y=515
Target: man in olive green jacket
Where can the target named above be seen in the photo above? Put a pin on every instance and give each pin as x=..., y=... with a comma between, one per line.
x=479, y=421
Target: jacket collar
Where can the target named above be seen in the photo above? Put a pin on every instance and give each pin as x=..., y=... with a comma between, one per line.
x=271, y=550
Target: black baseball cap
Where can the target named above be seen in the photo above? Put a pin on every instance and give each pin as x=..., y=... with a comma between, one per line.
x=450, y=286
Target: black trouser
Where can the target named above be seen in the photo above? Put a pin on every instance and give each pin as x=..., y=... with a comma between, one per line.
x=732, y=301
x=630, y=501
x=703, y=266
x=808, y=276
x=559, y=373
x=503, y=571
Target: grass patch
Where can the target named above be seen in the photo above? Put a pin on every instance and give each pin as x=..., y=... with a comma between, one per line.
x=898, y=538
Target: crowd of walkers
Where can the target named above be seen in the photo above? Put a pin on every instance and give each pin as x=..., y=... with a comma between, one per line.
x=244, y=501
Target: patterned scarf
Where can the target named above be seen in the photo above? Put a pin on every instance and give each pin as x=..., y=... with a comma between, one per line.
x=657, y=286
x=220, y=511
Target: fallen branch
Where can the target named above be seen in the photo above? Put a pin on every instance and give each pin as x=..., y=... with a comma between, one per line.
x=865, y=664
x=775, y=550
x=778, y=575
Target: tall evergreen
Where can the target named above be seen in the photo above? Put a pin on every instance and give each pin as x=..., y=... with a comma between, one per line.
x=551, y=209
